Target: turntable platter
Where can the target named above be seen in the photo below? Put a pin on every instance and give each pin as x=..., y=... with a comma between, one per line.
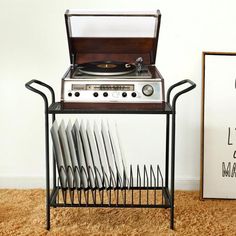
x=106, y=68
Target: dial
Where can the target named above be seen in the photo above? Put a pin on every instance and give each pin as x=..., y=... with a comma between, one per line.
x=95, y=94
x=77, y=94
x=124, y=94
x=105, y=94
x=148, y=90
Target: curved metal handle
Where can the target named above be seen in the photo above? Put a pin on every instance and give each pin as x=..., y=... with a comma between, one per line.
x=28, y=86
x=192, y=86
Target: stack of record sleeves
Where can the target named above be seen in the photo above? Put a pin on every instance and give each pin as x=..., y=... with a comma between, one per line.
x=88, y=155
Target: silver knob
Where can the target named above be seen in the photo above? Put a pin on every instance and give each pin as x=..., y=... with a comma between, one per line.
x=147, y=90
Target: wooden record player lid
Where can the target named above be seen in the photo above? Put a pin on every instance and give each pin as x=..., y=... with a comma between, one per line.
x=87, y=49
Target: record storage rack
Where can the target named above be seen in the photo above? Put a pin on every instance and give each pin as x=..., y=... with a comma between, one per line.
x=151, y=190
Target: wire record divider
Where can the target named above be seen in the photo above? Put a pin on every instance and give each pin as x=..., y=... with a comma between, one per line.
x=143, y=191
x=95, y=183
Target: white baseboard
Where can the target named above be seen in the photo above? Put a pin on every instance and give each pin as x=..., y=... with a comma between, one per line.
x=22, y=182
x=29, y=182
x=187, y=184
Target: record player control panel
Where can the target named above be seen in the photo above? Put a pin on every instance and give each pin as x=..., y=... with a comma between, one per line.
x=146, y=91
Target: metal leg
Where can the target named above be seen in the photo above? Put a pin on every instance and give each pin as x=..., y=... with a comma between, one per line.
x=172, y=171
x=54, y=175
x=167, y=155
x=54, y=162
x=167, y=150
x=47, y=172
x=192, y=86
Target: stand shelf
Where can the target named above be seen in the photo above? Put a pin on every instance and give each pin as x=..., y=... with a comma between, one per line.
x=56, y=108
x=149, y=191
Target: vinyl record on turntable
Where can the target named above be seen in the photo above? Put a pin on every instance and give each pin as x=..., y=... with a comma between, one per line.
x=107, y=68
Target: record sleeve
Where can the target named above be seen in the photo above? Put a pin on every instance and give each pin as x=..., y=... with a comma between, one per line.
x=95, y=155
x=119, y=146
x=102, y=155
x=116, y=155
x=80, y=155
x=87, y=155
x=71, y=143
x=109, y=154
x=66, y=154
x=58, y=155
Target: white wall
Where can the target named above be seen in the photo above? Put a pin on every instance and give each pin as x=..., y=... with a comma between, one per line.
x=33, y=46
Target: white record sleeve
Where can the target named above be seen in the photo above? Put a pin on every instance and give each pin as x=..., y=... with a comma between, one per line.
x=95, y=155
x=66, y=154
x=88, y=156
x=102, y=154
x=80, y=155
x=109, y=153
x=58, y=154
x=116, y=152
x=122, y=155
x=73, y=155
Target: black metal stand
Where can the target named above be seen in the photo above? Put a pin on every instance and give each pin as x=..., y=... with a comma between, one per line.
x=151, y=183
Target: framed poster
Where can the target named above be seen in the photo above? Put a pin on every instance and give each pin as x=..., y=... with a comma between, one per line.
x=218, y=130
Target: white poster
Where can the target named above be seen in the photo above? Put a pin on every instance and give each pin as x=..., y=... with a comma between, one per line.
x=219, y=126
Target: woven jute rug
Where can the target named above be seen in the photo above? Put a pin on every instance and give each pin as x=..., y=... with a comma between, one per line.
x=22, y=212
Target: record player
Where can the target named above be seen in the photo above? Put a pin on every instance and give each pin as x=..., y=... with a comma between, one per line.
x=112, y=59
